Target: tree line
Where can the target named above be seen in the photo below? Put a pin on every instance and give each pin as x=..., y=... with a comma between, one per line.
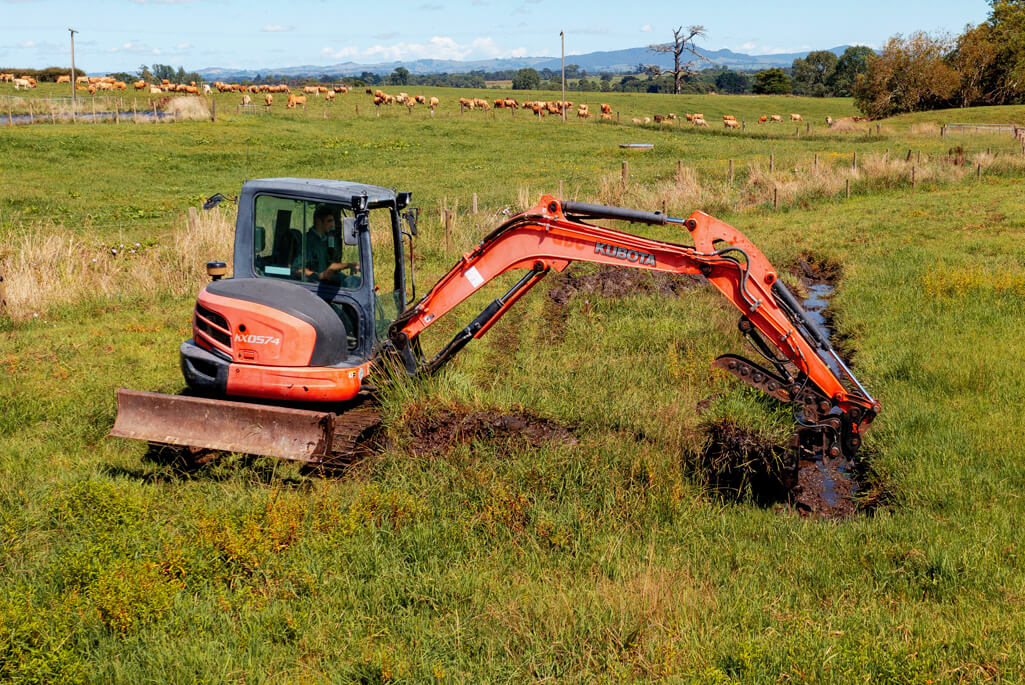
x=985, y=65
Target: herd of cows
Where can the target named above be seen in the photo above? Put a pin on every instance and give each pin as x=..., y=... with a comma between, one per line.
x=93, y=84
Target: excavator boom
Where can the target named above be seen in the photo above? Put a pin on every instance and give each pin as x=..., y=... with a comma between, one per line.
x=555, y=233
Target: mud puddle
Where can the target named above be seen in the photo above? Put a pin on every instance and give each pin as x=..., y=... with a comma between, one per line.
x=742, y=465
x=436, y=432
x=739, y=465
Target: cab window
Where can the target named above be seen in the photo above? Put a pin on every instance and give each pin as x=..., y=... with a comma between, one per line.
x=300, y=240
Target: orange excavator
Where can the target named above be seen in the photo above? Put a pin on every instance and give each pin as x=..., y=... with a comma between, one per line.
x=323, y=298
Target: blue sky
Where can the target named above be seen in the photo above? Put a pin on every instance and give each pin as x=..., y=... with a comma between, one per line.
x=260, y=34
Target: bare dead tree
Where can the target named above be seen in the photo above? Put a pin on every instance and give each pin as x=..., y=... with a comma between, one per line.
x=683, y=41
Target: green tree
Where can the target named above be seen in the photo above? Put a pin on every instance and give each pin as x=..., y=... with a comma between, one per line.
x=732, y=82
x=853, y=61
x=145, y=74
x=908, y=75
x=399, y=77
x=1006, y=25
x=812, y=73
x=771, y=82
x=526, y=79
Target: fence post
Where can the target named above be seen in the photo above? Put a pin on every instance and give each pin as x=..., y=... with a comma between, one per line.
x=475, y=198
x=854, y=161
x=10, y=116
x=772, y=163
x=775, y=197
x=815, y=162
x=448, y=231
x=919, y=156
x=357, y=110
x=135, y=112
x=679, y=170
x=213, y=110
x=31, y=114
x=117, y=111
x=807, y=127
x=626, y=173
x=978, y=172
x=848, y=188
x=943, y=131
x=913, y=179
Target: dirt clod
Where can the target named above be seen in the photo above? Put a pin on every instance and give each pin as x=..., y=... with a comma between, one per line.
x=439, y=430
x=738, y=464
x=615, y=282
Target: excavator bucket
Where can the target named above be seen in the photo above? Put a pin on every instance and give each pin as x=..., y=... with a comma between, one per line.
x=241, y=427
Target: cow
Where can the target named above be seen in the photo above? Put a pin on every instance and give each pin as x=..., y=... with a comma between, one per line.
x=606, y=108
x=330, y=95
x=762, y=119
x=731, y=123
x=65, y=78
x=206, y=89
x=605, y=116
x=20, y=83
x=268, y=100
x=829, y=120
x=776, y=117
x=700, y=121
x=294, y=100
x=139, y=85
x=155, y=90
x=434, y=102
x=796, y=117
x=582, y=112
x=6, y=78
x=636, y=120
x=246, y=100
x=728, y=117
x=659, y=119
x=420, y=99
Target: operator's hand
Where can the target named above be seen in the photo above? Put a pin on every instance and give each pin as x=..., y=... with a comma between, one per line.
x=334, y=268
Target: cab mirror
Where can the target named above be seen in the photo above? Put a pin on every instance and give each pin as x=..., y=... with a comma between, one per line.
x=349, y=236
x=412, y=216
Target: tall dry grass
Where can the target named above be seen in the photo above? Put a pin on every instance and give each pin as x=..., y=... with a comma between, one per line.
x=45, y=266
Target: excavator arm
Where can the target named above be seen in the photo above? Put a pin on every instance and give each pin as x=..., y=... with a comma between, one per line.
x=806, y=371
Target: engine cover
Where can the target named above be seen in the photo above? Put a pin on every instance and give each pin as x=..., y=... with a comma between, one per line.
x=268, y=322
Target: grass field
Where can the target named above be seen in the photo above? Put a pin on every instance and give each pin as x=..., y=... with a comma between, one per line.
x=604, y=559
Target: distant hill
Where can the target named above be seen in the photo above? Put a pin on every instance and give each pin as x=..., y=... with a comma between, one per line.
x=593, y=62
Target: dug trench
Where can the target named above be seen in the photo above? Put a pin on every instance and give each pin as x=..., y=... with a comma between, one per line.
x=738, y=464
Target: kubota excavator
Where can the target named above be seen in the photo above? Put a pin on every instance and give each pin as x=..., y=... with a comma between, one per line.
x=323, y=295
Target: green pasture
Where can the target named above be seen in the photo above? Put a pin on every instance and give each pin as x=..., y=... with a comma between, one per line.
x=605, y=560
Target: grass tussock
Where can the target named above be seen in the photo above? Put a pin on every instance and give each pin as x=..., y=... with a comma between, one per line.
x=47, y=265
x=188, y=108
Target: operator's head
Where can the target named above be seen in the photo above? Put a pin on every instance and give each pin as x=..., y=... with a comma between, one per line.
x=323, y=219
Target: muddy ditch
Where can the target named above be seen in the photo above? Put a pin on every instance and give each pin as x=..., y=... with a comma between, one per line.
x=738, y=464
x=436, y=431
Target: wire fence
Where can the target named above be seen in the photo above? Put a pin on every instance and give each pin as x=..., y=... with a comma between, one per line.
x=16, y=110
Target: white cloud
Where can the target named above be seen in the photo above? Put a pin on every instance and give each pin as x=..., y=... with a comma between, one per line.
x=438, y=47
x=646, y=28
x=183, y=46
x=276, y=28
x=344, y=53
x=136, y=48
x=27, y=44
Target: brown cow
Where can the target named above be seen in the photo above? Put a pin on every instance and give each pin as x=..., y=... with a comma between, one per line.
x=606, y=109
x=731, y=123
x=294, y=100
x=434, y=102
x=762, y=119
x=268, y=100
x=776, y=117
x=796, y=117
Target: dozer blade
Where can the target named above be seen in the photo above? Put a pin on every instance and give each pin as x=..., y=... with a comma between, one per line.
x=224, y=425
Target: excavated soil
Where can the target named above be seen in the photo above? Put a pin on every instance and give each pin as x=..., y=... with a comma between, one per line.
x=436, y=432
x=608, y=282
x=739, y=465
x=612, y=282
